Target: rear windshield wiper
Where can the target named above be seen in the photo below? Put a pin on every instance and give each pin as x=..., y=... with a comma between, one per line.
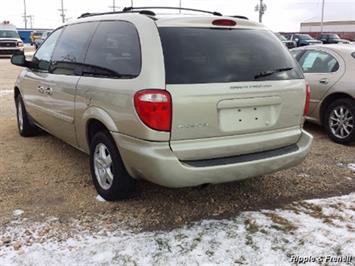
x=271, y=72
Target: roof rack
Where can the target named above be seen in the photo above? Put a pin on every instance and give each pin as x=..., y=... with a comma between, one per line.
x=241, y=17
x=130, y=9
x=146, y=11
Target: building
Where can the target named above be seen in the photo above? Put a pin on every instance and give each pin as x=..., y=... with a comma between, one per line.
x=345, y=29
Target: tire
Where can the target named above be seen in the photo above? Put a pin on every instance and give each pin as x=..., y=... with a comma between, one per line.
x=111, y=180
x=340, y=121
x=24, y=125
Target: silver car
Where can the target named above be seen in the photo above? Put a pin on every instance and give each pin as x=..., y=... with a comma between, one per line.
x=330, y=71
x=178, y=100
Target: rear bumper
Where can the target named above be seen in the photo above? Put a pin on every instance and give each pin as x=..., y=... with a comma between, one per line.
x=154, y=161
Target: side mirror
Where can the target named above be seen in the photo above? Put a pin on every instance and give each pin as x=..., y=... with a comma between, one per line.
x=19, y=60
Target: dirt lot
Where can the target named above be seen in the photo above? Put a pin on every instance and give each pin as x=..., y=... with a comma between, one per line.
x=46, y=177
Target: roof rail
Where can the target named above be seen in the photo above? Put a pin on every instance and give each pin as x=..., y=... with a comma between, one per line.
x=241, y=17
x=146, y=11
x=132, y=9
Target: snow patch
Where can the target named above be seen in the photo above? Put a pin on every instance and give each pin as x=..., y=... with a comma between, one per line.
x=99, y=198
x=351, y=166
x=17, y=212
x=320, y=227
x=6, y=92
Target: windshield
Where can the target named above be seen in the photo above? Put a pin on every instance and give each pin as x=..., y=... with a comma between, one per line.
x=305, y=37
x=9, y=34
x=333, y=36
x=209, y=55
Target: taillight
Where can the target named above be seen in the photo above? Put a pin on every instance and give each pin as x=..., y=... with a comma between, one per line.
x=308, y=99
x=224, y=22
x=153, y=107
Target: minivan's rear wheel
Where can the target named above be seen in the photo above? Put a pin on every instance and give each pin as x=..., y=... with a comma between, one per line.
x=109, y=174
x=340, y=121
x=25, y=128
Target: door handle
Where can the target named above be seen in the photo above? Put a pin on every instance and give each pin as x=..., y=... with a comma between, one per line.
x=40, y=89
x=324, y=81
x=49, y=91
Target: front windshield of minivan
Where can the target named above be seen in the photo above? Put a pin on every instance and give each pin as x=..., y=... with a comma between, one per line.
x=9, y=34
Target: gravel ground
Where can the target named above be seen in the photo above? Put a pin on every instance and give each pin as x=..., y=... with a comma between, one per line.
x=45, y=177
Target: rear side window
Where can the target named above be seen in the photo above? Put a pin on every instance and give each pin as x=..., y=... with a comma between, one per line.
x=115, y=47
x=318, y=62
x=71, y=48
x=210, y=55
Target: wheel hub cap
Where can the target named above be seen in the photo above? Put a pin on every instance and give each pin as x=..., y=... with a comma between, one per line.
x=341, y=122
x=103, y=166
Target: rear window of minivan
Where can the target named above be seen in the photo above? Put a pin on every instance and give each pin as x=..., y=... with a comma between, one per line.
x=215, y=55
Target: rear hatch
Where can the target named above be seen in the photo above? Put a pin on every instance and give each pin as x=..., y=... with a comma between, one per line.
x=234, y=91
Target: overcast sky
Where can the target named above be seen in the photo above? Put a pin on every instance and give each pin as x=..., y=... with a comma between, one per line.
x=281, y=15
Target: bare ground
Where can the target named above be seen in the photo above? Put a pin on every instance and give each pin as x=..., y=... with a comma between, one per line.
x=46, y=177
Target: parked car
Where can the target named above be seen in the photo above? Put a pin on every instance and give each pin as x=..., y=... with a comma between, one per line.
x=179, y=101
x=330, y=72
x=35, y=35
x=39, y=41
x=10, y=41
x=328, y=38
x=289, y=44
x=303, y=39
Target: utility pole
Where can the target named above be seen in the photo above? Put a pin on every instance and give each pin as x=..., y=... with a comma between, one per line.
x=261, y=8
x=114, y=5
x=31, y=18
x=180, y=6
x=322, y=18
x=62, y=11
x=25, y=13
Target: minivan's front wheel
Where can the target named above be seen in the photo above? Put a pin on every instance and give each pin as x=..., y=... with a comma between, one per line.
x=25, y=128
x=109, y=174
x=340, y=121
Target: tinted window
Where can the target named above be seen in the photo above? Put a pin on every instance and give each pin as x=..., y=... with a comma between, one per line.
x=71, y=48
x=304, y=37
x=208, y=55
x=318, y=62
x=115, y=47
x=43, y=55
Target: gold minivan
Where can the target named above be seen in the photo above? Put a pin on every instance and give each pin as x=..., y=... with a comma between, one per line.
x=179, y=100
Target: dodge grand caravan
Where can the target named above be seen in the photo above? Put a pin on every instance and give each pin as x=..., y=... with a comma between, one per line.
x=179, y=100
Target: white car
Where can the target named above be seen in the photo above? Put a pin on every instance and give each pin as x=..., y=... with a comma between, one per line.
x=10, y=41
